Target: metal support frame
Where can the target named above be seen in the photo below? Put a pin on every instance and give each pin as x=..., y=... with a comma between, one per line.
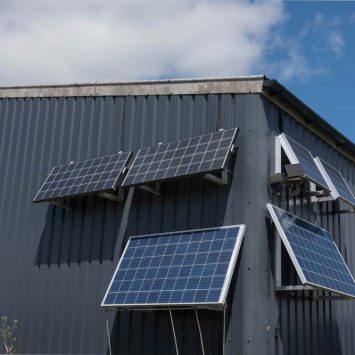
x=155, y=191
x=125, y=215
x=63, y=202
x=223, y=180
x=173, y=327
x=108, y=337
x=224, y=331
x=119, y=197
x=345, y=211
x=200, y=332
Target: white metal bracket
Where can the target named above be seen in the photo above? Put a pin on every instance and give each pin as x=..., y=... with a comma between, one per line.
x=222, y=180
x=316, y=199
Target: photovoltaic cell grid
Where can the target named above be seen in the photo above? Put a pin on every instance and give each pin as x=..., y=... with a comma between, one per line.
x=204, y=153
x=305, y=158
x=341, y=187
x=315, y=252
x=181, y=268
x=93, y=175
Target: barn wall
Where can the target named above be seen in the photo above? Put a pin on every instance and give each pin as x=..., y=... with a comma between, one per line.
x=56, y=263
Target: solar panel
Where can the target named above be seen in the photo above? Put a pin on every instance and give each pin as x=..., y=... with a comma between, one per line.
x=336, y=182
x=83, y=177
x=205, y=153
x=298, y=154
x=313, y=252
x=179, y=268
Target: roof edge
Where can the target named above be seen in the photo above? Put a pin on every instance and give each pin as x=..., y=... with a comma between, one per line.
x=239, y=84
x=269, y=88
x=298, y=110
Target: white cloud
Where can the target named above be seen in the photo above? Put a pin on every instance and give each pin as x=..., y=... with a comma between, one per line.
x=288, y=60
x=44, y=41
x=326, y=32
x=336, y=42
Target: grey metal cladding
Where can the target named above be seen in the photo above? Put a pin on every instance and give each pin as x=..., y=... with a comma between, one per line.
x=68, y=256
x=321, y=326
x=61, y=261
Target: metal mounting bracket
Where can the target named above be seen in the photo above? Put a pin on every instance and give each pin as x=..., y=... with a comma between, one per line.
x=155, y=191
x=316, y=199
x=119, y=197
x=223, y=180
x=63, y=202
x=340, y=212
x=294, y=288
x=331, y=298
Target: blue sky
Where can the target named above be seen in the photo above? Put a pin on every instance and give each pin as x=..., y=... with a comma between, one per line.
x=307, y=46
x=329, y=87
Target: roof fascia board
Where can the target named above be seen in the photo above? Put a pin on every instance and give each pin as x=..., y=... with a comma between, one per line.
x=238, y=85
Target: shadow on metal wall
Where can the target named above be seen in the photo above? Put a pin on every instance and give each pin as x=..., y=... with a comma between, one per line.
x=85, y=232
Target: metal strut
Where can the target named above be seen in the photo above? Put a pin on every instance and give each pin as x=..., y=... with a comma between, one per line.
x=155, y=191
x=108, y=337
x=224, y=331
x=172, y=325
x=125, y=215
x=223, y=180
x=199, y=329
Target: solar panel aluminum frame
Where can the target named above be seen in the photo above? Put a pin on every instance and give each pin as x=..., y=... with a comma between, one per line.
x=207, y=174
x=333, y=190
x=281, y=142
x=207, y=305
x=283, y=237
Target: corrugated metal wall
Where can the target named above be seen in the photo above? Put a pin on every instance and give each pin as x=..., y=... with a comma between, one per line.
x=55, y=264
x=308, y=326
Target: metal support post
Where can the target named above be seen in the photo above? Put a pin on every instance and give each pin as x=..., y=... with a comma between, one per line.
x=108, y=337
x=200, y=331
x=172, y=325
x=278, y=273
x=224, y=331
x=125, y=215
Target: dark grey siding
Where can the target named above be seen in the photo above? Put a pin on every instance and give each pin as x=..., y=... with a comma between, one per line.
x=55, y=264
x=307, y=326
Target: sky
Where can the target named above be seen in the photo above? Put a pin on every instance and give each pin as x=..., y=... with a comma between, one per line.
x=308, y=47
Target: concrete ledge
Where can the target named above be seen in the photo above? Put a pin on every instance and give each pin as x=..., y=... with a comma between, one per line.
x=237, y=85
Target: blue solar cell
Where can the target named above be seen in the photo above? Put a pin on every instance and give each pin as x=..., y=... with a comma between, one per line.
x=318, y=260
x=94, y=175
x=192, y=267
x=338, y=185
x=305, y=158
x=195, y=155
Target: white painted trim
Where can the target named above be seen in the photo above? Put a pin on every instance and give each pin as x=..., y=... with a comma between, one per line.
x=232, y=263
